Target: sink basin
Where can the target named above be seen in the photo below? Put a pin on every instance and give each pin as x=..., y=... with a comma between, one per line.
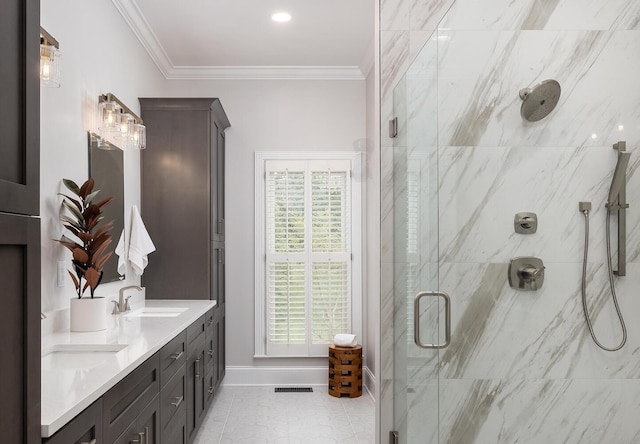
x=157, y=312
x=78, y=356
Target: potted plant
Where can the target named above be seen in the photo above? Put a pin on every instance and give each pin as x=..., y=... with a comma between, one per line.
x=88, y=247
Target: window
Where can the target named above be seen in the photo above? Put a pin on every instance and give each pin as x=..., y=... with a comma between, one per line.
x=305, y=286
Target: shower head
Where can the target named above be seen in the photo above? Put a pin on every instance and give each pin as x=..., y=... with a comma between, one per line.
x=619, y=176
x=539, y=101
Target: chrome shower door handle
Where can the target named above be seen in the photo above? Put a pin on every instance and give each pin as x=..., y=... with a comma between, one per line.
x=447, y=319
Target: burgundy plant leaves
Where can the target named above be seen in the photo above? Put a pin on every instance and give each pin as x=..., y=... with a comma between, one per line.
x=89, y=252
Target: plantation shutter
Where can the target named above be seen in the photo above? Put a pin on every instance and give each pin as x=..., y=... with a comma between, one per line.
x=308, y=255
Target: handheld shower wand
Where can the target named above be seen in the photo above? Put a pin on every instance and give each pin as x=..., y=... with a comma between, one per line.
x=616, y=202
x=619, y=177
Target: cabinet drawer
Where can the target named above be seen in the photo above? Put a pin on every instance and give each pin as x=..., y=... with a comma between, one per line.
x=124, y=402
x=81, y=429
x=196, y=329
x=172, y=357
x=173, y=398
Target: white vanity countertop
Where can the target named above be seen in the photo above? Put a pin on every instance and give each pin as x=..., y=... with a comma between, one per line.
x=68, y=387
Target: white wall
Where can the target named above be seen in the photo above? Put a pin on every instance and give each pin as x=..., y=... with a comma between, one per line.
x=270, y=115
x=100, y=55
x=265, y=115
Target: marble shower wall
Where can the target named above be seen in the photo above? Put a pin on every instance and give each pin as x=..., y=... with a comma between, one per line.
x=521, y=366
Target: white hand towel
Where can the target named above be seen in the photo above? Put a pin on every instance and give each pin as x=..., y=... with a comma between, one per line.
x=140, y=244
x=345, y=340
x=120, y=251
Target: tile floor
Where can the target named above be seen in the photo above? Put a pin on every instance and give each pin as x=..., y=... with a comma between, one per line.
x=255, y=415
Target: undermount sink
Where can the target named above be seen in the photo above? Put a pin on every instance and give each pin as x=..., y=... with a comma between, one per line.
x=157, y=312
x=78, y=356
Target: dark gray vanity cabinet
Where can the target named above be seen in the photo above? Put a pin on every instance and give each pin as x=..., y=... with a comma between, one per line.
x=19, y=226
x=20, y=98
x=183, y=194
x=183, y=189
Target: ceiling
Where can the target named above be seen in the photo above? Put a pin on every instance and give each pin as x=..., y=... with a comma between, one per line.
x=238, y=39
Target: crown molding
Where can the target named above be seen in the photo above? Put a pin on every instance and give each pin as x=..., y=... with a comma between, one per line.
x=143, y=32
x=266, y=72
x=141, y=29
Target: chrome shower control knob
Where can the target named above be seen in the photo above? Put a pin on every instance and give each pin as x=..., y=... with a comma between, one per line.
x=526, y=273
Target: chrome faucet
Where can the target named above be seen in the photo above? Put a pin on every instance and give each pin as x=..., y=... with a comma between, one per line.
x=122, y=304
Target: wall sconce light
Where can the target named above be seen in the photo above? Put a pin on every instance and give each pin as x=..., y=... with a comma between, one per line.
x=119, y=125
x=49, y=60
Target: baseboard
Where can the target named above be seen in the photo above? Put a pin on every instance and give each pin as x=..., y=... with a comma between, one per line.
x=285, y=376
x=275, y=376
x=369, y=382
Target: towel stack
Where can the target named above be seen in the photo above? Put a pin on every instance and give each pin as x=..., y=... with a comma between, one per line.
x=345, y=340
x=135, y=247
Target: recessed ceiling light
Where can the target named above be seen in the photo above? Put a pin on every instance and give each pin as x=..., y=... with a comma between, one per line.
x=281, y=17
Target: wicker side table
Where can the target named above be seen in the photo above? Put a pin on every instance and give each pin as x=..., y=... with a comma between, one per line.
x=345, y=371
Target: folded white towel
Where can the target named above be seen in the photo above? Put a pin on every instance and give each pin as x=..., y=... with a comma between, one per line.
x=345, y=340
x=140, y=244
x=121, y=252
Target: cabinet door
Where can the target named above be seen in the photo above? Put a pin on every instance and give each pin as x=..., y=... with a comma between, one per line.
x=82, y=429
x=176, y=201
x=20, y=98
x=220, y=352
x=20, y=328
x=210, y=341
x=195, y=386
x=217, y=181
x=218, y=273
x=148, y=423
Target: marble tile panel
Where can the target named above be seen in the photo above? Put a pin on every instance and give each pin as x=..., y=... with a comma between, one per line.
x=499, y=332
x=394, y=15
x=539, y=411
x=426, y=14
x=538, y=15
x=479, y=104
x=481, y=190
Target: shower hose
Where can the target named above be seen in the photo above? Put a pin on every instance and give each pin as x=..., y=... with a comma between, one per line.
x=611, y=283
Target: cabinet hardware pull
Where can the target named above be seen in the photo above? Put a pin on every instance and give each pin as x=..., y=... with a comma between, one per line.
x=211, y=390
x=197, y=364
x=210, y=353
x=146, y=435
x=176, y=356
x=177, y=401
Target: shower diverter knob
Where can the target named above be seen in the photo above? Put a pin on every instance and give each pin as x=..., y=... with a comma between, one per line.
x=526, y=273
x=525, y=222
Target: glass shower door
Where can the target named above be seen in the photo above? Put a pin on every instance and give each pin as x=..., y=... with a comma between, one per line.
x=419, y=310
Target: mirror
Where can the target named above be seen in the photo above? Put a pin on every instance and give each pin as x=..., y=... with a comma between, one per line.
x=106, y=167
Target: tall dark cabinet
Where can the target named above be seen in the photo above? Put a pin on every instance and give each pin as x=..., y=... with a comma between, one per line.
x=183, y=205
x=19, y=224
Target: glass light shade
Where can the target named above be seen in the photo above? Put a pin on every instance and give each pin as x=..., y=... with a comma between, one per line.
x=137, y=137
x=126, y=126
x=109, y=116
x=49, y=66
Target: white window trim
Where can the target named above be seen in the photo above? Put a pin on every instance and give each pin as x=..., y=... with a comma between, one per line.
x=357, y=196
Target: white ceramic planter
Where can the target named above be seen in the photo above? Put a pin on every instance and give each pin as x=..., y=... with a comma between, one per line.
x=88, y=314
